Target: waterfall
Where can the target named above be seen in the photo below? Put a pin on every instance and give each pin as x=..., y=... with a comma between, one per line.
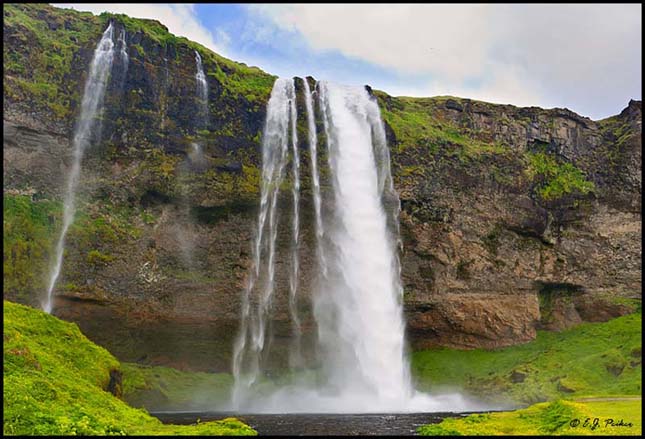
x=201, y=120
x=123, y=49
x=359, y=311
x=361, y=363
x=295, y=244
x=90, y=107
x=202, y=89
x=260, y=287
x=315, y=178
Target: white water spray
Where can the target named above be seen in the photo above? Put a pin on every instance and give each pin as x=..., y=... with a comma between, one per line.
x=90, y=106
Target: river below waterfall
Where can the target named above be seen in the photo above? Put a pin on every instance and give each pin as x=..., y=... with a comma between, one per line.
x=300, y=424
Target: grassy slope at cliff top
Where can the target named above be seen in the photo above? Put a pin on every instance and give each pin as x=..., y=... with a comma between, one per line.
x=419, y=124
x=44, y=41
x=54, y=379
x=590, y=359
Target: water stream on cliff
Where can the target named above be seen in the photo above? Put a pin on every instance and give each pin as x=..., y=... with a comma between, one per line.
x=201, y=119
x=315, y=177
x=90, y=107
x=294, y=279
x=251, y=339
x=361, y=364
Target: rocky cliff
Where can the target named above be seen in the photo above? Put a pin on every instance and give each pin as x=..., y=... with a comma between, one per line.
x=512, y=218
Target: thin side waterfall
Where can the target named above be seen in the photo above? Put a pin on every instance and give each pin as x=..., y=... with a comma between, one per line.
x=201, y=122
x=256, y=297
x=202, y=84
x=294, y=279
x=315, y=178
x=194, y=162
x=361, y=363
x=123, y=48
x=90, y=106
x=122, y=62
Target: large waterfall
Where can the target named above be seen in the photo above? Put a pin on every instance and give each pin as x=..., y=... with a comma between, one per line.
x=358, y=308
x=90, y=107
x=361, y=363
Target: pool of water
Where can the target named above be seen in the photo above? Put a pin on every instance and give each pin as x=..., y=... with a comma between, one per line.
x=319, y=424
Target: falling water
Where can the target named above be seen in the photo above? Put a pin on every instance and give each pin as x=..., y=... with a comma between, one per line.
x=201, y=119
x=90, y=107
x=250, y=341
x=195, y=162
x=359, y=312
x=295, y=244
x=202, y=85
x=315, y=178
x=123, y=48
x=361, y=364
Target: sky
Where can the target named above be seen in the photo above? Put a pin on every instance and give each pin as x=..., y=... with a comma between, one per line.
x=585, y=57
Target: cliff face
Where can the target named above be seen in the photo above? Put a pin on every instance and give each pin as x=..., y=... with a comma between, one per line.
x=512, y=218
x=515, y=218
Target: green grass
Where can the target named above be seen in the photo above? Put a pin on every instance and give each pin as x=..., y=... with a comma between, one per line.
x=55, y=380
x=165, y=388
x=551, y=418
x=590, y=359
x=417, y=123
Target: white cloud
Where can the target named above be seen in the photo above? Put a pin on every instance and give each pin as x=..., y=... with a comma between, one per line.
x=505, y=85
x=180, y=19
x=581, y=56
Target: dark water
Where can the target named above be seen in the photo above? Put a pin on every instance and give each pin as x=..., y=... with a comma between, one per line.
x=319, y=424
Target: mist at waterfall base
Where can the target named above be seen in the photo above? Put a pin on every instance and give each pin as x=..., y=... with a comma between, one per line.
x=361, y=364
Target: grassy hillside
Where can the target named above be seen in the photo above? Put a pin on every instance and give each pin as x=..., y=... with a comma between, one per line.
x=569, y=418
x=590, y=359
x=165, y=388
x=588, y=372
x=55, y=383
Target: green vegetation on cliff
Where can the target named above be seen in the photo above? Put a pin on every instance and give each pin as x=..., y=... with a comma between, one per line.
x=590, y=359
x=554, y=179
x=429, y=127
x=417, y=122
x=56, y=380
x=28, y=231
x=40, y=56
